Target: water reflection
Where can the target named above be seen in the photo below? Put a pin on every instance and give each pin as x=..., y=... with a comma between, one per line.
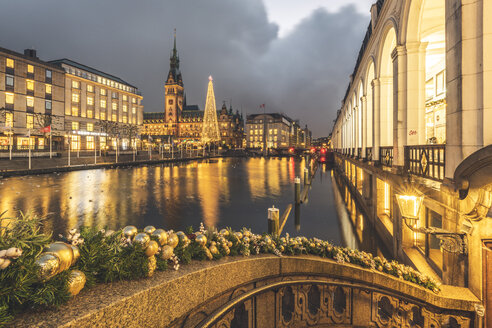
x=224, y=192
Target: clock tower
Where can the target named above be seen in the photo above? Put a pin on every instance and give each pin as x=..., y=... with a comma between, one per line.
x=173, y=93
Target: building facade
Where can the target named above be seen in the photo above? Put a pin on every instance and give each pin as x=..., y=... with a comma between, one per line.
x=183, y=123
x=67, y=100
x=31, y=98
x=278, y=131
x=101, y=110
x=414, y=123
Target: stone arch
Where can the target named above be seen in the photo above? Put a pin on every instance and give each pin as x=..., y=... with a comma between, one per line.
x=385, y=75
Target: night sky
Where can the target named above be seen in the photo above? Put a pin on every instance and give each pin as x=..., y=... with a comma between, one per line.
x=296, y=60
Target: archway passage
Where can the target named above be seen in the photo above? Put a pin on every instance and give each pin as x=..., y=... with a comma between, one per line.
x=426, y=47
x=386, y=89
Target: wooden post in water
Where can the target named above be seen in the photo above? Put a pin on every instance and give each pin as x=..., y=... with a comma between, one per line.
x=306, y=176
x=273, y=221
x=297, y=190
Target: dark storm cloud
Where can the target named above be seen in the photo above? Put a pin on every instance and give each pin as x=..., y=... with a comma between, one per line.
x=303, y=74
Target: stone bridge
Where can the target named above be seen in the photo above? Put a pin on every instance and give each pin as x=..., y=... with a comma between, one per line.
x=264, y=291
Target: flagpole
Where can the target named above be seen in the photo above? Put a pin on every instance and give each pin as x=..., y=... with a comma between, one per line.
x=51, y=147
x=29, y=146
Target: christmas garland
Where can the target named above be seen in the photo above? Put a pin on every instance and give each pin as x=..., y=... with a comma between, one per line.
x=37, y=272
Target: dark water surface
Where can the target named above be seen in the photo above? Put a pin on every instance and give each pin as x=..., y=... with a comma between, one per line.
x=229, y=192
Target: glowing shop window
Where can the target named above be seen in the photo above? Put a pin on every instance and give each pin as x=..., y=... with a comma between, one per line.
x=75, y=126
x=125, y=119
x=90, y=127
x=113, y=117
x=89, y=141
x=103, y=115
x=75, y=144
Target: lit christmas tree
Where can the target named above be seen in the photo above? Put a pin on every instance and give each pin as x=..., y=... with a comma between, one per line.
x=210, y=132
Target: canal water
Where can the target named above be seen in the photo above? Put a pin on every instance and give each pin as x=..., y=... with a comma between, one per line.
x=226, y=192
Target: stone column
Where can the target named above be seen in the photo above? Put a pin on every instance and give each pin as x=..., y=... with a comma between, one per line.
x=376, y=123
x=399, y=104
x=356, y=128
x=416, y=93
x=363, y=106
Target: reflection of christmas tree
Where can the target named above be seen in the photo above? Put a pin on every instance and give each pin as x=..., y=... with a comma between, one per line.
x=210, y=132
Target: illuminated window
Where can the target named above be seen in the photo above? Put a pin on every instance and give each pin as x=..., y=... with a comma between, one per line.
x=103, y=103
x=125, y=108
x=103, y=92
x=9, y=80
x=29, y=101
x=75, y=84
x=75, y=142
x=114, y=95
x=103, y=115
x=48, y=89
x=113, y=117
x=30, y=69
x=114, y=106
x=9, y=98
x=90, y=101
x=90, y=113
x=90, y=127
x=75, y=111
x=10, y=63
x=124, y=119
x=29, y=121
x=134, y=101
x=125, y=98
x=75, y=126
x=9, y=120
x=134, y=110
x=75, y=97
x=30, y=85
x=89, y=142
x=134, y=120
x=47, y=105
x=90, y=88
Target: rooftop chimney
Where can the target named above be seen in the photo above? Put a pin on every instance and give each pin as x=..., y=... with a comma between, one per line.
x=30, y=53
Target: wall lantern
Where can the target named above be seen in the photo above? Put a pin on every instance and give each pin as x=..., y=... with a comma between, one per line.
x=453, y=242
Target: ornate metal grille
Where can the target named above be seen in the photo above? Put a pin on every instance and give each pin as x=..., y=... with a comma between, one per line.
x=359, y=153
x=368, y=153
x=427, y=161
x=386, y=156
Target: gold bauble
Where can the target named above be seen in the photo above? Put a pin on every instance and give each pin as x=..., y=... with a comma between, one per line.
x=227, y=250
x=238, y=235
x=224, y=232
x=180, y=234
x=229, y=243
x=76, y=254
x=76, y=282
x=142, y=239
x=246, y=239
x=152, y=265
x=48, y=265
x=268, y=240
x=173, y=240
x=167, y=252
x=185, y=241
x=149, y=229
x=247, y=233
x=214, y=250
x=201, y=240
x=130, y=231
x=64, y=252
x=281, y=248
x=282, y=240
x=161, y=235
x=152, y=248
x=209, y=254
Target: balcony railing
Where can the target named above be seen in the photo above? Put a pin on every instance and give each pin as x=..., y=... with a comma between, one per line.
x=427, y=161
x=386, y=155
x=368, y=154
x=359, y=153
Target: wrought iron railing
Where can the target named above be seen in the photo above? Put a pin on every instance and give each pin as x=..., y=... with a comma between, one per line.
x=386, y=155
x=427, y=161
x=368, y=153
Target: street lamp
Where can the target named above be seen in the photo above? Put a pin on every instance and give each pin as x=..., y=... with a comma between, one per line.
x=453, y=242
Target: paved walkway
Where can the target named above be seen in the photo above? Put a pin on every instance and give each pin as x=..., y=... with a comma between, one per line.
x=20, y=166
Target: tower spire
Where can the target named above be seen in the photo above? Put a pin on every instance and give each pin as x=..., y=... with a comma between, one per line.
x=175, y=51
